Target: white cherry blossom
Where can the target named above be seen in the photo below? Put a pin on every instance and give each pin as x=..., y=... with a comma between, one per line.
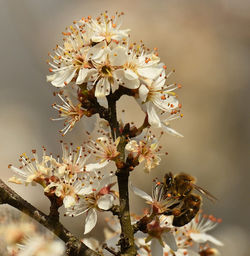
x=147, y=150
x=68, y=191
x=105, y=28
x=71, y=113
x=32, y=170
x=104, y=149
x=160, y=201
x=160, y=102
x=197, y=229
x=73, y=161
x=99, y=197
x=42, y=246
x=138, y=66
x=105, y=75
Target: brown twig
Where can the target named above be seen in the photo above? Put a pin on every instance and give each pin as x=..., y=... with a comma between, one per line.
x=141, y=225
x=115, y=209
x=74, y=246
x=105, y=246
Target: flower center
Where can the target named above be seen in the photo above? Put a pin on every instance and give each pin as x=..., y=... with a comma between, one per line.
x=106, y=71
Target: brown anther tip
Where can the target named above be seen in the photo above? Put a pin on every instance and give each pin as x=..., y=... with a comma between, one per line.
x=9, y=166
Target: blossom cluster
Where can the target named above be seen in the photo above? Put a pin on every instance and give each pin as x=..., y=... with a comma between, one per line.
x=166, y=240
x=22, y=237
x=97, y=55
x=79, y=187
x=93, y=68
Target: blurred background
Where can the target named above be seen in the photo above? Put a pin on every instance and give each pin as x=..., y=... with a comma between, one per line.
x=207, y=42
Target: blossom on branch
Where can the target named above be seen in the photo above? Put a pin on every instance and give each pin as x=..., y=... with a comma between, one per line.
x=196, y=230
x=21, y=238
x=146, y=149
x=105, y=28
x=103, y=149
x=160, y=201
x=160, y=102
x=69, y=112
x=32, y=170
x=99, y=197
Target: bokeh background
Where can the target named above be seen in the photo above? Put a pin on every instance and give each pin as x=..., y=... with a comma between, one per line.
x=207, y=42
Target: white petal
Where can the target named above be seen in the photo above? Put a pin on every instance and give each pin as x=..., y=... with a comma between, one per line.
x=153, y=118
x=97, y=39
x=89, y=123
x=18, y=171
x=156, y=248
x=105, y=202
x=171, y=131
x=90, y=221
x=63, y=77
x=169, y=239
x=102, y=88
x=143, y=92
x=149, y=72
x=202, y=238
x=132, y=146
x=92, y=243
x=131, y=84
x=159, y=82
x=103, y=102
x=83, y=72
x=97, y=51
x=15, y=180
x=115, y=85
x=96, y=166
x=69, y=201
x=85, y=190
x=141, y=193
x=130, y=74
x=50, y=78
x=118, y=56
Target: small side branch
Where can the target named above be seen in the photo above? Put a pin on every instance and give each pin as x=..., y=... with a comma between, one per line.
x=74, y=245
x=105, y=246
x=115, y=209
x=141, y=225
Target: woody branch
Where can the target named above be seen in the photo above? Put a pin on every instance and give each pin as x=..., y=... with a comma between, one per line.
x=74, y=246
